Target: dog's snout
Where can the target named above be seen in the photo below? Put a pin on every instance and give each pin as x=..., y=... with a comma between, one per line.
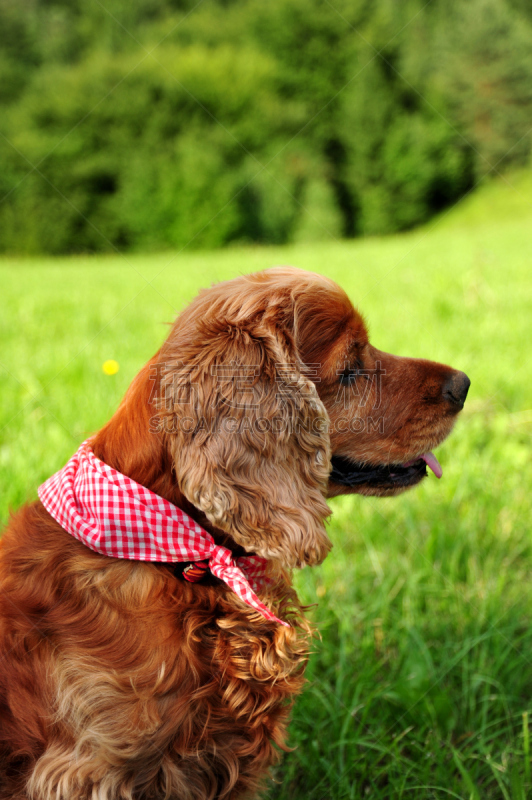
x=455, y=389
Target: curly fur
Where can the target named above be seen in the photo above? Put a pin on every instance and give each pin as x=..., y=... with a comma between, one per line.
x=118, y=680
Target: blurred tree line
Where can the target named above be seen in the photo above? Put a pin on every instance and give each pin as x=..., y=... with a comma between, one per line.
x=167, y=123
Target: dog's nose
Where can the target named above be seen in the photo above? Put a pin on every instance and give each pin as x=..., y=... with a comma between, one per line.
x=455, y=389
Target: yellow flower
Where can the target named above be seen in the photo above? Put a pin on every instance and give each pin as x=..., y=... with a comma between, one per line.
x=110, y=367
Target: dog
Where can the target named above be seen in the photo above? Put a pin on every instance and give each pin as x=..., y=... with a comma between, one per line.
x=148, y=659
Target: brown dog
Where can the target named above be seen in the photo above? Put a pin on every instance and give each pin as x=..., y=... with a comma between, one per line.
x=119, y=679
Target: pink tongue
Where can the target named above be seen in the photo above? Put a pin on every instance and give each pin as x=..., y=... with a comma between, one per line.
x=432, y=463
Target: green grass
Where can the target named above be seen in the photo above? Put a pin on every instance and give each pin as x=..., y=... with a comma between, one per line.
x=421, y=686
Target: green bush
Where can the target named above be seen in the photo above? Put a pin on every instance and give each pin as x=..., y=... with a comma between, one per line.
x=150, y=164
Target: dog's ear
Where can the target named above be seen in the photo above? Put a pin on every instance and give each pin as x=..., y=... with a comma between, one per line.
x=249, y=436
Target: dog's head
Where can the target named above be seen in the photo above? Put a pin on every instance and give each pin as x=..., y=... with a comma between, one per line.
x=270, y=398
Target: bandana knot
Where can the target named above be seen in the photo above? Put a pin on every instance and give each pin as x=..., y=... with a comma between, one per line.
x=117, y=517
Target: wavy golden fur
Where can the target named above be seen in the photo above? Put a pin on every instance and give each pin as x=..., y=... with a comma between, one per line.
x=119, y=680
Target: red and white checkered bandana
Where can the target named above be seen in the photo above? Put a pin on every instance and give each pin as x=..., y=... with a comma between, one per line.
x=115, y=516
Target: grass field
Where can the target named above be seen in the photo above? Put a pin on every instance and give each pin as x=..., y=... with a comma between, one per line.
x=421, y=686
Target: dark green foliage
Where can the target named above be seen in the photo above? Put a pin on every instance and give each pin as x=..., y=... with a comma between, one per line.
x=170, y=124
x=19, y=54
x=487, y=73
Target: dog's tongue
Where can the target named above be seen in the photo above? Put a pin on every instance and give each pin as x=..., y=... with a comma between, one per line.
x=432, y=463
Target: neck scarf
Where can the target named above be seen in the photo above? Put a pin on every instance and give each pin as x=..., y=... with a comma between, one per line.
x=117, y=517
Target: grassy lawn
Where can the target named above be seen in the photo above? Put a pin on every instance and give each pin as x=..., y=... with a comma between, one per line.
x=421, y=686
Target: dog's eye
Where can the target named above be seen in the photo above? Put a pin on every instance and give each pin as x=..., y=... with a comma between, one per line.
x=348, y=376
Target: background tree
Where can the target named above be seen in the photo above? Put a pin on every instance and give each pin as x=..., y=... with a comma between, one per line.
x=167, y=124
